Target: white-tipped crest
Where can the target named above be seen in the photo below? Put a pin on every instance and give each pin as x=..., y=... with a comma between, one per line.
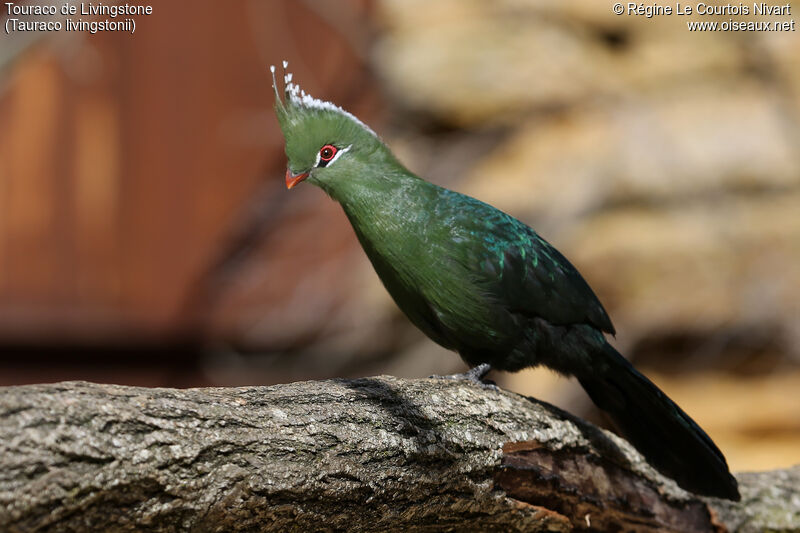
x=298, y=97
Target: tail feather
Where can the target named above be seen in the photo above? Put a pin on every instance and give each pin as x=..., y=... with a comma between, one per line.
x=667, y=437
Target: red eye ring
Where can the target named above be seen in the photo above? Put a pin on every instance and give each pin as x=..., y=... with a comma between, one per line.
x=327, y=152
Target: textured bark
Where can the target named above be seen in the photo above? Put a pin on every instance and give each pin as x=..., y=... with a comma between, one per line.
x=375, y=454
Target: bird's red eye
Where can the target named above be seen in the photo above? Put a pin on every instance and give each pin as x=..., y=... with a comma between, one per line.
x=327, y=152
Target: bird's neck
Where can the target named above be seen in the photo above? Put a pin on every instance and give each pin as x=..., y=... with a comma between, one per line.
x=381, y=198
x=375, y=189
x=386, y=209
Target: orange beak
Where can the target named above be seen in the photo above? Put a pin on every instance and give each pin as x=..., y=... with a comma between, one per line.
x=294, y=179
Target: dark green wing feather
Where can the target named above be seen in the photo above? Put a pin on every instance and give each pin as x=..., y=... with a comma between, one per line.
x=515, y=266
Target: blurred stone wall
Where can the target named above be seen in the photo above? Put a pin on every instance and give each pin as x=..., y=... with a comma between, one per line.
x=666, y=164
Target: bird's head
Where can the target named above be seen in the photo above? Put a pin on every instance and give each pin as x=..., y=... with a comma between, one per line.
x=325, y=145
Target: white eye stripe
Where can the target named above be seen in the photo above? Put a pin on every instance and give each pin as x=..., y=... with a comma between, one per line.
x=335, y=157
x=338, y=154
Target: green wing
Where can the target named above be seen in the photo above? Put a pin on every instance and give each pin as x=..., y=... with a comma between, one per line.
x=520, y=270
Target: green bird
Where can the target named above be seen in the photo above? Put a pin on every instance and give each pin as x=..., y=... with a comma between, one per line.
x=484, y=284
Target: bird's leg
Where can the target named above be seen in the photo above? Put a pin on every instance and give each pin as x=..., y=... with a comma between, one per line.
x=474, y=374
x=477, y=373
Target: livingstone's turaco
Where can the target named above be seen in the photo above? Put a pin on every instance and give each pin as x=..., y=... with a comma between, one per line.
x=484, y=284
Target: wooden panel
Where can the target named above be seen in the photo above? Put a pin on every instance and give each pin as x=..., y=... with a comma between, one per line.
x=124, y=160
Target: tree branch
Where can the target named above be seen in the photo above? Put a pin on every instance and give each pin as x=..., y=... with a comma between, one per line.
x=374, y=454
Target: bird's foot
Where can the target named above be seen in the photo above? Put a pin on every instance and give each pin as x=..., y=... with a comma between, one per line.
x=474, y=375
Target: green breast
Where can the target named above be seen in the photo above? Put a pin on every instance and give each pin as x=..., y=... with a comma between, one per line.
x=427, y=260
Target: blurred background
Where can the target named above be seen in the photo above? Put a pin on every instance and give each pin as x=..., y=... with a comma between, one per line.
x=146, y=236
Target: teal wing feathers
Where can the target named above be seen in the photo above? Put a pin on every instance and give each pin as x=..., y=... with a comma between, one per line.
x=516, y=267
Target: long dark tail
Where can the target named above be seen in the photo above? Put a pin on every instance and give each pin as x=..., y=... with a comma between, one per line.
x=670, y=441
